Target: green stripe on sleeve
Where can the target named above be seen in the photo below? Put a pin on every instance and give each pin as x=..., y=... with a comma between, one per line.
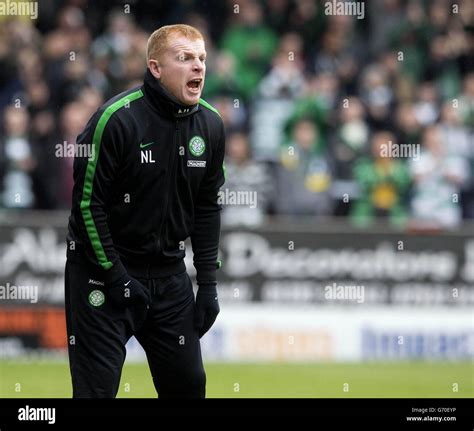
x=89, y=178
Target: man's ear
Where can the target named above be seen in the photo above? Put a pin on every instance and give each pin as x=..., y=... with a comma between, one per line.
x=155, y=68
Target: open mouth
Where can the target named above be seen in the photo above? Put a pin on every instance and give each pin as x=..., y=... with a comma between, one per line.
x=194, y=85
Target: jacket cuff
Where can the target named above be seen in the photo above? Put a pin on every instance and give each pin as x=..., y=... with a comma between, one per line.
x=209, y=288
x=206, y=274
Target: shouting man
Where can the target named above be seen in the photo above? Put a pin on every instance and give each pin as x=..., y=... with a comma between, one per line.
x=153, y=182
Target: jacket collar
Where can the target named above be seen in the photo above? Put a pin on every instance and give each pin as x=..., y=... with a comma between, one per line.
x=163, y=101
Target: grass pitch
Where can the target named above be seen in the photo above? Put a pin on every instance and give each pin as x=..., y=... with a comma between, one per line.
x=51, y=379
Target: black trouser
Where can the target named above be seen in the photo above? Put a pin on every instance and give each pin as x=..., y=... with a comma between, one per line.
x=97, y=336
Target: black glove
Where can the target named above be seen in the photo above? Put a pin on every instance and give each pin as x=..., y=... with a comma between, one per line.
x=127, y=292
x=207, y=307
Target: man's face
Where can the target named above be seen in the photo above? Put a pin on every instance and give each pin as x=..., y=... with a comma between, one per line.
x=182, y=68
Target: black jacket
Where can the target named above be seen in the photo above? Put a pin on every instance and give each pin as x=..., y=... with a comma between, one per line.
x=151, y=181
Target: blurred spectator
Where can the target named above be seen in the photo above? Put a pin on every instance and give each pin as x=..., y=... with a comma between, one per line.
x=393, y=16
x=38, y=96
x=72, y=122
x=348, y=144
x=410, y=40
x=442, y=67
x=277, y=93
x=285, y=79
x=71, y=35
x=427, y=106
x=277, y=14
x=45, y=180
x=377, y=96
x=308, y=18
x=466, y=102
x=352, y=137
x=74, y=79
x=233, y=111
x=221, y=77
x=340, y=52
x=407, y=125
x=383, y=181
x=455, y=136
x=91, y=99
x=16, y=160
x=252, y=44
x=304, y=176
x=467, y=195
x=115, y=42
x=438, y=177
x=247, y=176
x=121, y=44
x=323, y=89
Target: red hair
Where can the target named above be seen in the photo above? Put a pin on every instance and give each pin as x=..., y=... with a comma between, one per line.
x=158, y=41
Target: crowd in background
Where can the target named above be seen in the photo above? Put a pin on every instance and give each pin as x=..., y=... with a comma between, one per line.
x=326, y=115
